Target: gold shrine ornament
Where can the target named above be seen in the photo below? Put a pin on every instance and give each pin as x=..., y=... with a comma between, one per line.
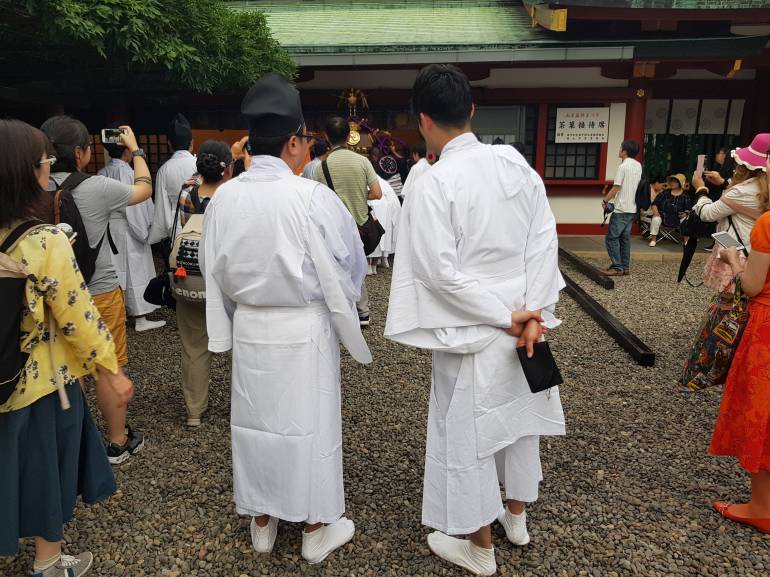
x=355, y=136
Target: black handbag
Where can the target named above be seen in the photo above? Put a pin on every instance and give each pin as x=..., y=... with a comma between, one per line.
x=158, y=291
x=371, y=231
x=541, y=370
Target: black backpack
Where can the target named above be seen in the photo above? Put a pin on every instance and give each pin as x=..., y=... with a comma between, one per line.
x=642, y=196
x=64, y=209
x=13, y=280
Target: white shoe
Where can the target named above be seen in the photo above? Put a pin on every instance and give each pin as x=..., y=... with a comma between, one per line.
x=515, y=527
x=142, y=324
x=652, y=243
x=317, y=545
x=462, y=552
x=263, y=538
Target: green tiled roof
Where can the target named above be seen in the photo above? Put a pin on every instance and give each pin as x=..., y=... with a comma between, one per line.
x=315, y=25
x=373, y=32
x=668, y=4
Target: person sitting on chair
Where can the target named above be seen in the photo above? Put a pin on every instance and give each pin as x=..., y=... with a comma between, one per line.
x=670, y=207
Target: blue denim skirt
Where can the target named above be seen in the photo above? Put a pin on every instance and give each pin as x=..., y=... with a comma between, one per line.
x=49, y=456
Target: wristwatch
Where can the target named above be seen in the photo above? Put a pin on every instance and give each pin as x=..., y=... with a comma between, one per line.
x=138, y=152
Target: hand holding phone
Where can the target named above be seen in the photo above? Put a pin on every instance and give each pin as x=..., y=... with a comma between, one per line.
x=111, y=135
x=726, y=240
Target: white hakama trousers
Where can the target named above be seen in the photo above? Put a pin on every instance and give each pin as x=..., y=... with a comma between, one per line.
x=481, y=410
x=286, y=414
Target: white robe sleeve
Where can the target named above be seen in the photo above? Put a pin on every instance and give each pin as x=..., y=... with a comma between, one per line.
x=541, y=258
x=161, y=223
x=341, y=236
x=219, y=309
x=443, y=290
x=139, y=217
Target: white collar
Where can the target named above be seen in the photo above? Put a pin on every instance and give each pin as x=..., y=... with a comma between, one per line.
x=182, y=153
x=264, y=165
x=119, y=162
x=465, y=140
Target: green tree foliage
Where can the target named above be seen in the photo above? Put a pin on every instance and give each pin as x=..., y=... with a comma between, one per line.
x=137, y=45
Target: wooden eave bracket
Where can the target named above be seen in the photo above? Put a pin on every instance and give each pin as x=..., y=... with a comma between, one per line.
x=554, y=19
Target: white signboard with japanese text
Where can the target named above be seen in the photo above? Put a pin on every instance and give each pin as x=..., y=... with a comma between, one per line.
x=579, y=125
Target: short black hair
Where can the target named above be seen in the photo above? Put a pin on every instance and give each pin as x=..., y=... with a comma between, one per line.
x=66, y=134
x=320, y=147
x=268, y=145
x=631, y=147
x=337, y=130
x=214, y=156
x=420, y=150
x=179, y=133
x=20, y=192
x=114, y=150
x=442, y=92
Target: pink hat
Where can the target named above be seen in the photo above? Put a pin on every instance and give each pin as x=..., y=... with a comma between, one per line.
x=754, y=156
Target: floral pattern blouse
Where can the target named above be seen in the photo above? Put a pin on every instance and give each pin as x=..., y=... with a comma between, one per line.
x=55, y=286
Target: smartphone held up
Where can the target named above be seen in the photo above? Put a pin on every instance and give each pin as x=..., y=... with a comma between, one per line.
x=111, y=135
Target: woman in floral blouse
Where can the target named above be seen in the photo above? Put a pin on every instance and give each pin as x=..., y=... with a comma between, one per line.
x=50, y=454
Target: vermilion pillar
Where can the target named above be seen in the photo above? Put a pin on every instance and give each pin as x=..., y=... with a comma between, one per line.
x=636, y=111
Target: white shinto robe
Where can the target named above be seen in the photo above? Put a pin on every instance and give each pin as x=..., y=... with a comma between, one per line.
x=388, y=211
x=420, y=168
x=477, y=241
x=168, y=184
x=130, y=229
x=284, y=263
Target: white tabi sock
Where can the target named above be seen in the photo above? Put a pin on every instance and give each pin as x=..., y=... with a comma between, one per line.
x=462, y=552
x=515, y=526
x=263, y=538
x=317, y=544
x=144, y=324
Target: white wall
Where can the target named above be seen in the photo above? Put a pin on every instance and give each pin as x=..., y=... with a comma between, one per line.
x=577, y=209
x=617, y=133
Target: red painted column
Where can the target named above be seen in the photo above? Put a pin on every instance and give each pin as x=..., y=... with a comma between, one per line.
x=636, y=112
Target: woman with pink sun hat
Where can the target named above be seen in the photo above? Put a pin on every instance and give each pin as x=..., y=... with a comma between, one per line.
x=739, y=207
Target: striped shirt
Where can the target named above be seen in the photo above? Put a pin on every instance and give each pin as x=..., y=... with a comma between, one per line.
x=352, y=175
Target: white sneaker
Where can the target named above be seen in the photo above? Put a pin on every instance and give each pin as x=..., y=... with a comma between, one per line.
x=652, y=243
x=263, y=538
x=142, y=324
x=317, y=545
x=462, y=552
x=515, y=527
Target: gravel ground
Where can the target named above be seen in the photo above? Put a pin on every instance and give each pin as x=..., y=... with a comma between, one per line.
x=627, y=492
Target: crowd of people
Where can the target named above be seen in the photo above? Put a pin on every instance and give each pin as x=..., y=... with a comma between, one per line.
x=732, y=198
x=280, y=262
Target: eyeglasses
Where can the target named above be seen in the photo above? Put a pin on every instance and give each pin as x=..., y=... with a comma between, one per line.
x=50, y=159
x=309, y=136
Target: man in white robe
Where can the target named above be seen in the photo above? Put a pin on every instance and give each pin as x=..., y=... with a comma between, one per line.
x=475, y=275
x=170, y=178
x=284, y=264
x=387, y=210
x=420, y=166
x=130, y=228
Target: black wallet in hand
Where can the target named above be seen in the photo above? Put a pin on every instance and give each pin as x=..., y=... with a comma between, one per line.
x=541, y=370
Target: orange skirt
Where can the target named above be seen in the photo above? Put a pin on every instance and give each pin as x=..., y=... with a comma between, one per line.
x=743, y=425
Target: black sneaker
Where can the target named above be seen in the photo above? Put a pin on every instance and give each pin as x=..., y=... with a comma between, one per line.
x=363, y=320
x=118, y=454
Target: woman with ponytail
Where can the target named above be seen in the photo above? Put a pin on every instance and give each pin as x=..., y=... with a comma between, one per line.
x=215, y=167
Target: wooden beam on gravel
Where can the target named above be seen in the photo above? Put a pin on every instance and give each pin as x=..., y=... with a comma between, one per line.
x=588, y=269
x=641, y=353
